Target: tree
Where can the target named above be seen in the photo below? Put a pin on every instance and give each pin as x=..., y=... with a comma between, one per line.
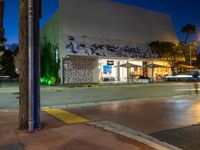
x=188, y=29
x=7, y=62
x=197, y=61
x=4, y=40
x=2, y=48
x=16, y=51
x=156, y=48
x=191, y=53
x=167, y=51
x=49, y=65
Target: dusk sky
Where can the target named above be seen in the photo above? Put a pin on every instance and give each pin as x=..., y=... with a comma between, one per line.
x=181, y=11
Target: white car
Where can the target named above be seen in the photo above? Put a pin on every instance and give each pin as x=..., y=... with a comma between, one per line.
x=185, y=76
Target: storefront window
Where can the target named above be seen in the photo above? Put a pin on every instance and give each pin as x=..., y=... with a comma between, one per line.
x=116, y=70
x=107, y=69
x=107, y=73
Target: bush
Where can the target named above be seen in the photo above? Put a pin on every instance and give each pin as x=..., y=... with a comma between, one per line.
x=49, y=65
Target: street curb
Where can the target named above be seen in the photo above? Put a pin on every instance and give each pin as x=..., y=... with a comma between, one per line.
x=90, y=104
x=133, y=134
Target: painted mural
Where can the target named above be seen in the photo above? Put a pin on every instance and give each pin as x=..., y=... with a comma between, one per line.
x=82, y=45
x=78, y=70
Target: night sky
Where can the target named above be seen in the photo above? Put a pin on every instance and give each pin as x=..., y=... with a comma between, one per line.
x=181, y=11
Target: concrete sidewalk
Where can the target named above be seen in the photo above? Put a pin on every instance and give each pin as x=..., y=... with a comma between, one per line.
x=56, y=135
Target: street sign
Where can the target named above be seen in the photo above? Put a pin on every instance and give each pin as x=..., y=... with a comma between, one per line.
x=110, y=62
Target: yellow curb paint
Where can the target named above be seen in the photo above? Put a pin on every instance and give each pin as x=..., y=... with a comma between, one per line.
x=65, y=116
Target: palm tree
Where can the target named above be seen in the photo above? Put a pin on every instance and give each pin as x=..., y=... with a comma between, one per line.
x=188, y=29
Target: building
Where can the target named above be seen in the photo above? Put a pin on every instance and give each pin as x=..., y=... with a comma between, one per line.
x=102, y=40
x=1, y=22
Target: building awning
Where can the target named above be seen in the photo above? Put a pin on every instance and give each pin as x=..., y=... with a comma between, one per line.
x=129, y=65
x=185, y=66
x=156, y=66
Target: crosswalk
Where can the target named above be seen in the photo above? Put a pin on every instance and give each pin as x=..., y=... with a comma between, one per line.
x=65, y=116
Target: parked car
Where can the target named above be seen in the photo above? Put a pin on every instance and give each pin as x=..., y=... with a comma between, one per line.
x=184, y=76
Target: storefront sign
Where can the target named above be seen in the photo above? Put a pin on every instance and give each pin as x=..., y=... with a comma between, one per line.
x=110, y=62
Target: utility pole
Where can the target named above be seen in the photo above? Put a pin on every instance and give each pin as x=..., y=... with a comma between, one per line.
x=29, y=71
x=1, y=22
x=190, y=57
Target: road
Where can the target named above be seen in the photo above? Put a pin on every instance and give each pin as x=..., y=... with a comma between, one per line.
x=148, y=108
x=146, y=116
x=65, y=96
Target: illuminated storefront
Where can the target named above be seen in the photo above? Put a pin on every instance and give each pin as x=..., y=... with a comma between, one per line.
x=119, y=70
x=112, y=70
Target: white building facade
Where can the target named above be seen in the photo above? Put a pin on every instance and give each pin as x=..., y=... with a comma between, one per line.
x=105, y=41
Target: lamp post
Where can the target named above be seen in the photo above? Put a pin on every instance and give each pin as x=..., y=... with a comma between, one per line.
x=196, y=43
x=190, y=58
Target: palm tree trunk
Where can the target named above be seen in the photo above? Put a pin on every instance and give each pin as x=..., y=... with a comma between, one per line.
x=186, y=38
x=185, y=48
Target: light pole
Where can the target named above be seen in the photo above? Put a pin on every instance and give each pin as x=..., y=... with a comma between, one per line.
x=196, y=43
x=190, y=58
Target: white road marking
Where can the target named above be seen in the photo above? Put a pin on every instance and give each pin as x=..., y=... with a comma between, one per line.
x=193, y=89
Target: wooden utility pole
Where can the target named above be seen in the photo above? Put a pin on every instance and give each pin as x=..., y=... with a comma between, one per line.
x=29, y=71
x=36, y=26
x=23, y=64
x=1, y=22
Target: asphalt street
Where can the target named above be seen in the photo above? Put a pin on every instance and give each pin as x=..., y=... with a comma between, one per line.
x=175, y=120
x=148, y=108
x=146, y=116
x=66, y=96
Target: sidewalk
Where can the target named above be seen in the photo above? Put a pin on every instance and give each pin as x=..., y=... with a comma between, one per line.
x=65, y=97
x=56, y=135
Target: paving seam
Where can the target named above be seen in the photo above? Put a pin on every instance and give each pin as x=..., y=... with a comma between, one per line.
x=133, y=134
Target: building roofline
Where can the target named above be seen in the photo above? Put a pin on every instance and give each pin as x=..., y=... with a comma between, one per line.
x=138, y=7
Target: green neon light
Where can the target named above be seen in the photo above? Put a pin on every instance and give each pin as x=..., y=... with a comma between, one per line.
x=46, y=81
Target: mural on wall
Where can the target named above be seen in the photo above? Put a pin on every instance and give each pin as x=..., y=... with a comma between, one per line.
x=83, y=45
x=78, y=70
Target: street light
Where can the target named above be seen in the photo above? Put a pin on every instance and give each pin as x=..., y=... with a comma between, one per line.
x=196, y=43
x=190, y=47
